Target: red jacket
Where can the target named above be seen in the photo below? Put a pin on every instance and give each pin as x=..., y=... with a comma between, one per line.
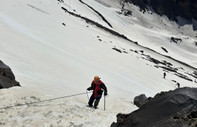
x=97, y=89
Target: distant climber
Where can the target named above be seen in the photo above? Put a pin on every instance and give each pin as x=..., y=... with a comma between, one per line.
x=164, y=75
x=178, y=85
x=97, y=86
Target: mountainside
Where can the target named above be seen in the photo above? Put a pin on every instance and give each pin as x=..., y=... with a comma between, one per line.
x=173, y=9
x=56, y=47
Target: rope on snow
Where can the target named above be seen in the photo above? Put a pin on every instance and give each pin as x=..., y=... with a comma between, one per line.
x=18, y=105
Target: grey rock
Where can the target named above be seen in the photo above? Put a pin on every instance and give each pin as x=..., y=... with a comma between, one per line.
x=176, y=108
x=140, y=100
x=7, y=78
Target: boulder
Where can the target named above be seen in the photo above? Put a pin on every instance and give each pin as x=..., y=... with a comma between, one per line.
x=168, y=109
x=140, y=100
x=7, y=78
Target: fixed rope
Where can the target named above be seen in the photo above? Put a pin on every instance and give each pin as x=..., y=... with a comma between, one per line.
x=18, y=105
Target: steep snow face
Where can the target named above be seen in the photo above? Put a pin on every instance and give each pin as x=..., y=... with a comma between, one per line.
x=152, y=31
x=55, y=53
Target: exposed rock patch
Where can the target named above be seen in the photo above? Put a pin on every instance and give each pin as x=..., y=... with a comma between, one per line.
x=164, y=49
x=61, y=1
x=167, y=68
x=175, y=40
x=63, y=24
x=7, y=78
x=116, y=49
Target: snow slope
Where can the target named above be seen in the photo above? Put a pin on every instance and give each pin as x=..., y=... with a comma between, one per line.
x=66, y=112
x=151, y=30
x=51, y=60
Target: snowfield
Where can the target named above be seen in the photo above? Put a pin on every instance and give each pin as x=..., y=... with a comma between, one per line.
x=65, y=112
x=53, y=54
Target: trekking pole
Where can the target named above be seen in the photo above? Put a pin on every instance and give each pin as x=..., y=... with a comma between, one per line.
x=87, y=94
x=104, y=103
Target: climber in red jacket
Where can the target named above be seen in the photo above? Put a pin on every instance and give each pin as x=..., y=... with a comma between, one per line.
x=97, y=86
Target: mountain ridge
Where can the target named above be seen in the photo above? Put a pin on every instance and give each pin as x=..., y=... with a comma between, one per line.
x=172, y=9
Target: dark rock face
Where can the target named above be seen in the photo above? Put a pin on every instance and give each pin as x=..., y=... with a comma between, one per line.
x=176, y=108
x=7, y=78
x=140, y=100
x=143, y=4
x=171, y=8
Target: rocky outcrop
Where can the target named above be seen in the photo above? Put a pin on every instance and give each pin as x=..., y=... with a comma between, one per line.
x=171, y=8
x=176, y=108
x=175, y=40
x=7, y=78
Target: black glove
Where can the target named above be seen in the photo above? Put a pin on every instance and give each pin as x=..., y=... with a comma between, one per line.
x=88, y=89
x=105, y=94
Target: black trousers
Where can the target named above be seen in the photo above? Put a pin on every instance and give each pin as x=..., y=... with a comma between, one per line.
x=92, y=98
